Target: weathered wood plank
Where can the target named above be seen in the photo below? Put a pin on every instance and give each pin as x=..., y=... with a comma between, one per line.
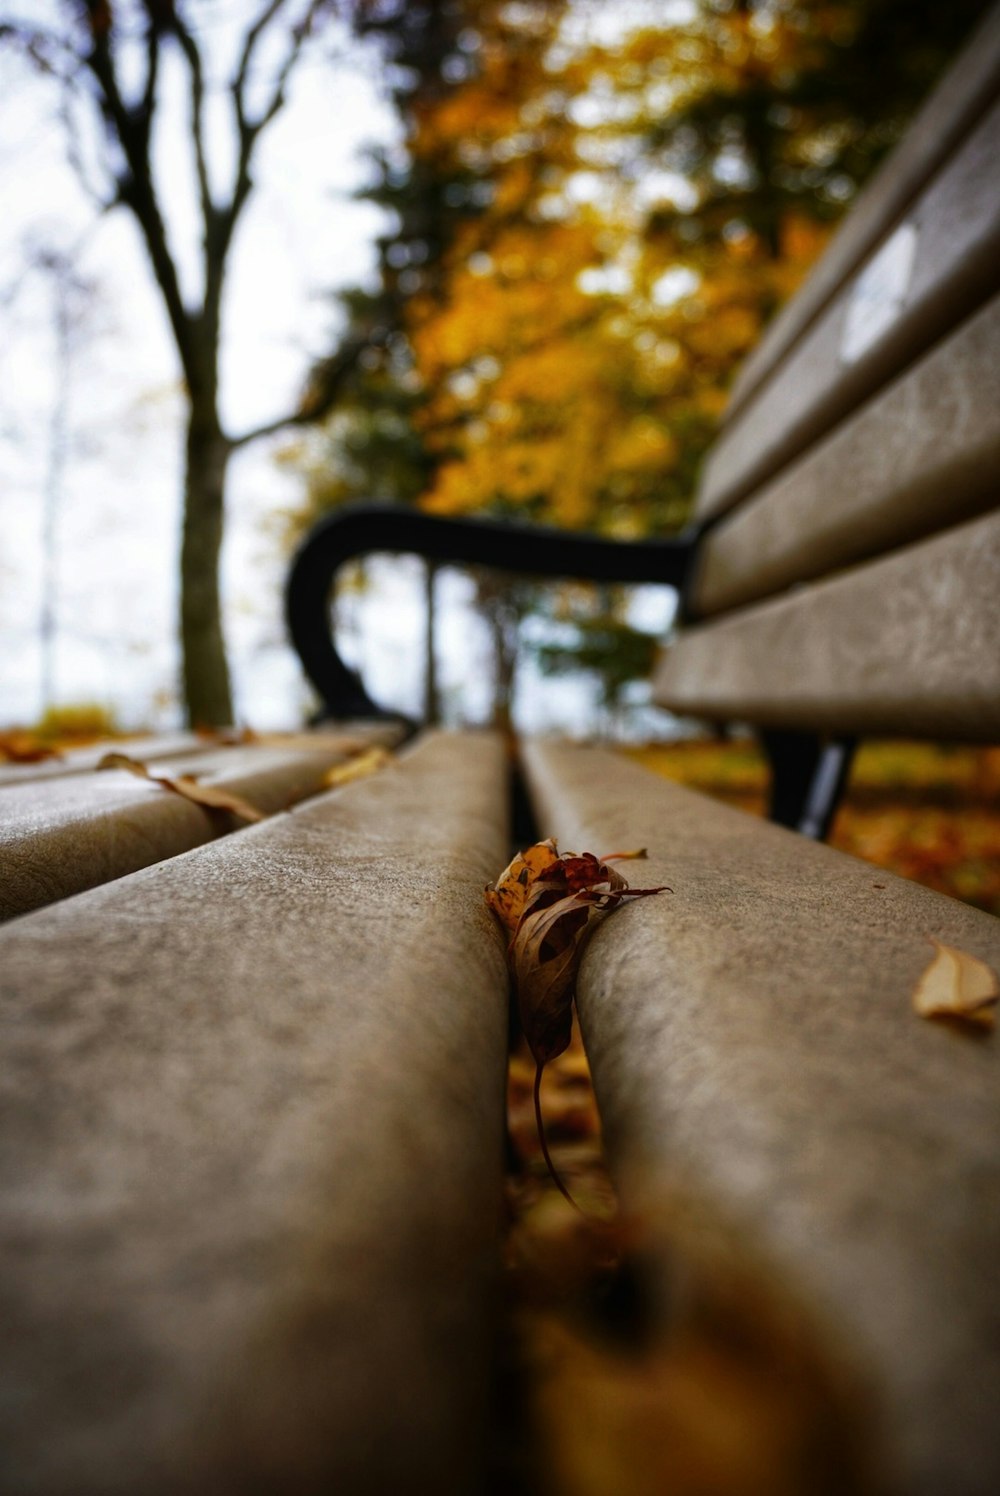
x=59, y=837
x=251, y=1151
x=161, y=746
x=907, y=645
x=967, y=89
x=934, y=269
x=921, y=456
x=755, y=1052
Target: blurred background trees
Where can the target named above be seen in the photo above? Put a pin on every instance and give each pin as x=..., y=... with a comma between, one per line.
x=596, y=209
x=590, y=210
x=109, y=59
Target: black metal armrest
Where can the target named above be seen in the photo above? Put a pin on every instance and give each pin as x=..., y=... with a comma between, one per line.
x=529, y=550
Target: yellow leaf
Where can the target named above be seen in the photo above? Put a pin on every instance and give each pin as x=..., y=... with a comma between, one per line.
x=212, y=797
x=957, y=985
x=508, y=895
x=360, y=767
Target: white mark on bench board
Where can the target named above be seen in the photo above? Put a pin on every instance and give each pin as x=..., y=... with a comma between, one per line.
x=879, y=294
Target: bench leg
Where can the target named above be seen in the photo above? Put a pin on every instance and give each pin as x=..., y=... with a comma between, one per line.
x=808, y=778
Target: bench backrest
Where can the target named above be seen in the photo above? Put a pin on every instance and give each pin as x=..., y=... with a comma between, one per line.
x=848, y=578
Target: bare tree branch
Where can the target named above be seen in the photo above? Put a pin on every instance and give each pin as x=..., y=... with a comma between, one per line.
x=248, y=130
x=136, y=188
x=102, y=201
x=325, y=387
x=191, y=51
x=253, y=36
x=148, y=103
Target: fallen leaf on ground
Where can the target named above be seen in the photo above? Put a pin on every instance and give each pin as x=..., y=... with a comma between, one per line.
x=19, y=747
x=547, y=903
x=360, y=767
x=957, y=985
x=213, y=797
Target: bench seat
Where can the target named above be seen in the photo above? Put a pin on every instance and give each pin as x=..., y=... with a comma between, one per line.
x=60, y=835
x=83, y=760
x=904, y=646
x=933, y=268
x=759, y=1068
x=921, y=456
x=251, y=1151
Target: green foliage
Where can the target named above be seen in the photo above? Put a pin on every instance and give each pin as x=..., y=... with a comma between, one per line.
x=71, y=720
x=606, y=647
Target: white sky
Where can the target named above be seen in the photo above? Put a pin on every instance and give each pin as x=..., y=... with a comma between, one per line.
x=302, y=237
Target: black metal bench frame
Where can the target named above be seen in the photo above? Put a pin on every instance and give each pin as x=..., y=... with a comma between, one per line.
x=809, y=772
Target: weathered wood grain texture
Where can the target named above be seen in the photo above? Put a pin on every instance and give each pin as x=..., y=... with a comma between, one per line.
x=251, y=1152
x=61, y=836
x=923, y=455
x=906, y=645
x=754, y=1049
x=966, y=90
x=956, y=267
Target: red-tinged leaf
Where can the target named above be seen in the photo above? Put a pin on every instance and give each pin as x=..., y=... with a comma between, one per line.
x=547, y=903
x=544, y=956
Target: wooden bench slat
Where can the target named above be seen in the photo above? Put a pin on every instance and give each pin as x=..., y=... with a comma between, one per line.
x=963, y=94
x=161, y=746
x=253, y=1108
x=59, y=837
x=754, y=1047
x=906, y=645
x=922, y=455
x=955, y=267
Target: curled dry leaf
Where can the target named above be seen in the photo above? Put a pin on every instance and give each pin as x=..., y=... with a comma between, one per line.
x=957, y=985
x=547, y=903
x=20, y=747
x=359, y=767
x=213, y=797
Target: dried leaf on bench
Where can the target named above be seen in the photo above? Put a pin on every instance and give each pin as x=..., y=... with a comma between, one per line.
x=546, y=903
x=360, y=767
x=212, y=797
x=957, y=985
x=20, y=747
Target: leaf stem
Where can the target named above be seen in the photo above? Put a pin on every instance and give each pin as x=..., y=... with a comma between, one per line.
x=537, y=1097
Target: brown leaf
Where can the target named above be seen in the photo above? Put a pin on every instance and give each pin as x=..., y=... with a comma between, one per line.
x=213, y=797
x=19, y=747
x=957, y=985
x=360, y=767
x=506, y=897
x=547, y=903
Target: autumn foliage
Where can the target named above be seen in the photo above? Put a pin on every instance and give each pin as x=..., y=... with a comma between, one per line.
x=595, y=210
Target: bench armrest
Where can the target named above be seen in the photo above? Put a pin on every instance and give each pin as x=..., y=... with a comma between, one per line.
x=526, y=549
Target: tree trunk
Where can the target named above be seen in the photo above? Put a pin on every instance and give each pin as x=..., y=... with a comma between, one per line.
x=503, y=620
x=206, y=674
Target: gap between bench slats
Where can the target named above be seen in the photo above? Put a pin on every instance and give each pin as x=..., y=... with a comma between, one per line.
x=253, y=1106
x=921, y=456
x=904, y=646
x=754, y=1048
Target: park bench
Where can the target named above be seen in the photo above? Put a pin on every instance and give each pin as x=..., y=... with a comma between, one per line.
x=253, y=1090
